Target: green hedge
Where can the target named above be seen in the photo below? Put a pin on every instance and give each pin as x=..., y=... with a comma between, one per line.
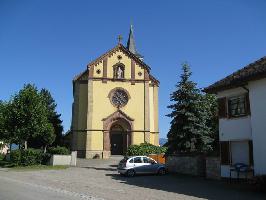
x=35, y=156
x=145, y=149
x=27, y=157
x=2, y=156
x=58, y=150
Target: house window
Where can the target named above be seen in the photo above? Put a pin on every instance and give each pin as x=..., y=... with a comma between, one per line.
x=119, y=71
x=237, y=106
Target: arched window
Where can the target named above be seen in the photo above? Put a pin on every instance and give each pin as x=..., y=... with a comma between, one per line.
x=119, y=71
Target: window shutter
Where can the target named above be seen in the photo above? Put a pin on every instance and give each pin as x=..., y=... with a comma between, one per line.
x=225, y=153
x=222, y=107
x=247, y=104
x=250, y=144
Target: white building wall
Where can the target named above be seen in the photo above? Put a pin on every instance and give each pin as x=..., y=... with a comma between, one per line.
x=234, y=128
x=257, y=95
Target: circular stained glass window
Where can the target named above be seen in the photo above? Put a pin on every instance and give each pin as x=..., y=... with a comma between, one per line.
x=119, y=98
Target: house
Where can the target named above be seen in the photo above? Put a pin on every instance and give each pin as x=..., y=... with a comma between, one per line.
x=115, y=103
x=242, y=117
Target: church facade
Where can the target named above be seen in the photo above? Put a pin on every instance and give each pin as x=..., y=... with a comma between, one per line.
x=115, y=104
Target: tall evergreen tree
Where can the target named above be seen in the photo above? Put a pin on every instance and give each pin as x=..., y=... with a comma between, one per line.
x=189, y=131
x=210, y=106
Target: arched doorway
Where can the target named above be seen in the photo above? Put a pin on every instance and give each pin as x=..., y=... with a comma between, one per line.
x=118, y=140
x=117, y=134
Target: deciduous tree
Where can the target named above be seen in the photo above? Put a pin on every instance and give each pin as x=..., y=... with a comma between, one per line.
x=27, y=117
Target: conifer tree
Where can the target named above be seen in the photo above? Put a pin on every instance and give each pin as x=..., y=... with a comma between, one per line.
x=189, y=131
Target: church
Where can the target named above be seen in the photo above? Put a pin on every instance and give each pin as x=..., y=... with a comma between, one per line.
x=115, y=103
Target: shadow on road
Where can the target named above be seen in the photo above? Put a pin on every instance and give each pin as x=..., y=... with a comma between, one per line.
x=192, y=186
x=179, y=184
x=101, y=168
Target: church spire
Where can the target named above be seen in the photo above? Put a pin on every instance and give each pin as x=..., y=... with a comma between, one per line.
x=131, y=46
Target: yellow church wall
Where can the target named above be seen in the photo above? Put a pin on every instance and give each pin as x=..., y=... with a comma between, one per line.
x=156, y=115
x=138, y=137
x=111, y=61
x=156, y=108
x=152, y=139
x=151, y=110
x=103, y=107
x=114, y=60
x=137, y=70
x=156, y=139
x=98, y=67
x=81, y=104
x=97, y=138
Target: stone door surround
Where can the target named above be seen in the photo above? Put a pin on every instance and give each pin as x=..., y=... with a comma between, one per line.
x=123, y=120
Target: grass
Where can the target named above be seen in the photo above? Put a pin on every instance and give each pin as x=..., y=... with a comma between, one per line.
x=38, y=167
x=11, y=166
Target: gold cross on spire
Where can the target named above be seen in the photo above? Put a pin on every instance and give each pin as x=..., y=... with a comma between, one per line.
x=119, y=38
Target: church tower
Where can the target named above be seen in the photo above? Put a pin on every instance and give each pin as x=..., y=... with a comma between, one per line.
x=115, y=103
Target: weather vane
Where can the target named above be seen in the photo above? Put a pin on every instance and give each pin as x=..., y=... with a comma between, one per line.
x=119, y=38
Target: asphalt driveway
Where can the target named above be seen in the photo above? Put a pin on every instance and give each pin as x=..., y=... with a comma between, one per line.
x=98, y=179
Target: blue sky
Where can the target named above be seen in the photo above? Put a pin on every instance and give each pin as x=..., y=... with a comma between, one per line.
x=48, y=42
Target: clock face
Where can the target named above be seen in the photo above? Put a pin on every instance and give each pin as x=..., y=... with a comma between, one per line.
x=119, y=98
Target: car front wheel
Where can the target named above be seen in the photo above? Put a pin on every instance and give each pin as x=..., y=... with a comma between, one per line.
x=161, y=171
x=130, y=173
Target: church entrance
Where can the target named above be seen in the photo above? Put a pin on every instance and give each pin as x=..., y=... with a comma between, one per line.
x=117, y=135
x=118, y=140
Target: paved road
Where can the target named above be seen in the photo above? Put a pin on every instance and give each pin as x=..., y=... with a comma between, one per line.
x=12, y=189
x=98, y=179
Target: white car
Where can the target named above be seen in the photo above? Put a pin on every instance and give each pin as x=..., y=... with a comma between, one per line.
x=131, y=166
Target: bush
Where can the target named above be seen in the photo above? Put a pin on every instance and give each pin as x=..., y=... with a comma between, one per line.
x=2, y=156
x=15, y=157
x=26, y=157
x=58, y=150
x=31, y=157
x=144, y=149
x=46, y=158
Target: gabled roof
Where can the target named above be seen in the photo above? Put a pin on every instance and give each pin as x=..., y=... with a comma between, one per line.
x=154, y=80
x=253, y=71
x=120, y=47
x=80, y=76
